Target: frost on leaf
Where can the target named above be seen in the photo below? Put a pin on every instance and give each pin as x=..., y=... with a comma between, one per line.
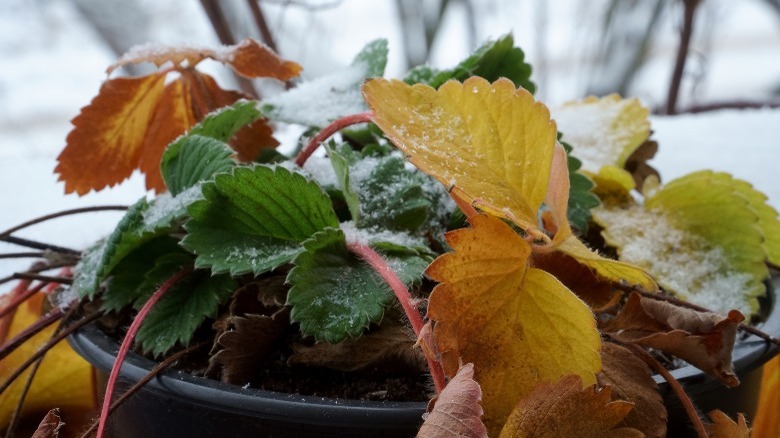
x=566, y=409
x=703, y=339
x=491, y=144
x=706, y=237
x=456, y=411
x=603, y=131
x=514, y=322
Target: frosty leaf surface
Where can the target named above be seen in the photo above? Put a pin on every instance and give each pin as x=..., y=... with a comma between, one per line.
x=493, y=60
x=333, y=294
x=603, y=130
x=457, y=411
x=254, y=219
x=177, y=315
x=567, y=409
x=193, y=159
x=517, y=324
x=490, y=144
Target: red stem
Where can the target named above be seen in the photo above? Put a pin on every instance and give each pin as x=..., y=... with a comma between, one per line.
x=329, y=130
x=404, y=297
x=46, y=320
x=127, y=342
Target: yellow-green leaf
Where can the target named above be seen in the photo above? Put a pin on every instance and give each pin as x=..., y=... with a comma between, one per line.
x=491, y=144
x=603, y=130
x=518, y=325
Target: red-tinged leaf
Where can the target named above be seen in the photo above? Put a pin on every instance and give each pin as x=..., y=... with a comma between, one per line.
x=631, y=380
x=566, y=409
x=106, y=142
x=50, y=425
x=456, y=411
x=724, y=427
x=557, y=198
x=703, y=339
x=252, y=59
x=248, y=58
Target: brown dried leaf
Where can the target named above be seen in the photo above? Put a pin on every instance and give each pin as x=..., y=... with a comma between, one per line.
x=248, y=58
x=566, y=409
x=389, y=345
x=50, y=425
x=107, y=139
x=631, y=380
x=246, y=344
x=583, y=281
x=456, y=411
x=637, y=166
x=724, y=427
x=703, y=339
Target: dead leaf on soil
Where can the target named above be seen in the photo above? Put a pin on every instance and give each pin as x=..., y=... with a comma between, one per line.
x=566, y=409
x=703, y=339
x=457, y=410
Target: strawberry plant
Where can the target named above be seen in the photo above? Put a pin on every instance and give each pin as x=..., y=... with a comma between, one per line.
x=448, y=222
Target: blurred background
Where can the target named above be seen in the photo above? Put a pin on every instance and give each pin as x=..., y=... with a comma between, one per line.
x=53, y=55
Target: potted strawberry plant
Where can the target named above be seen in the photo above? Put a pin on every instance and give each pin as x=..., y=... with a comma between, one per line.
x=456, y=239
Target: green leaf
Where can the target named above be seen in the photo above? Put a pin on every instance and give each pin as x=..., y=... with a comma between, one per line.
x=134, y=279
x=581, y=198
x=421, y=74
x=341, y=156
x=333, y=294
x=97, y=262
x=374, y=56
x=192, y=159
x=174, y=319
x=165, y=212
x=223, y=124
x=254, y=218
x=493, y=60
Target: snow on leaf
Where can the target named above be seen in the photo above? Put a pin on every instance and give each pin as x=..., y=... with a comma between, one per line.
x=254, y=218
x=192, y=159
x=631, y=380
x=724, y=427
x=703, y=339
x=456, y=411
x=491, y=144
x=374, y=56
x=566, y=409
x=517, y=324
x=603, y=130
x=248, y=58
x=334, y=294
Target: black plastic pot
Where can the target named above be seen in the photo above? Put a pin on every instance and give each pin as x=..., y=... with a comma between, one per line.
x=177, y=404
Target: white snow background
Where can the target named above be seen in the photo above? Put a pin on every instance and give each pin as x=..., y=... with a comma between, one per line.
x=51, y=64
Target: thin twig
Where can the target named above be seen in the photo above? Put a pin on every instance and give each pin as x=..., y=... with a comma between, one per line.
x=20, y=297
x=124, y=348
x=46, y=278
x=22, y=255
x=10, y=430
x=38, y=245
x=62, y=213
x=170, y=360
x=262, y=24
x=326, y=132
x=46, y=347
x=682, y=55
x=38, y=326
x=656, y=366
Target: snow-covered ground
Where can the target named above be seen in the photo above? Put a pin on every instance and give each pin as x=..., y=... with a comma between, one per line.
x=52, y=64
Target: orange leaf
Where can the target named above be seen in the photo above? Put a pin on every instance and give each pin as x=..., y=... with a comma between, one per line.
x=703, y=339
x=63, y=380
x=724, y=427
x=517, y=324
x=631, y=380
x=105, y=144
x=766, y=422
x=456, y=411
x=565, y=409
x=248, y=58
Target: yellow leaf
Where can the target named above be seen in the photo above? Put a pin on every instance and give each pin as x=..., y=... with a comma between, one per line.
x=603, y=131
x=607, y=269
x=491, y=144
x=767, y=422
x=724, y=427
x=518, y=325
x=566, y=409
x=613, y=185
x=64, y=379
